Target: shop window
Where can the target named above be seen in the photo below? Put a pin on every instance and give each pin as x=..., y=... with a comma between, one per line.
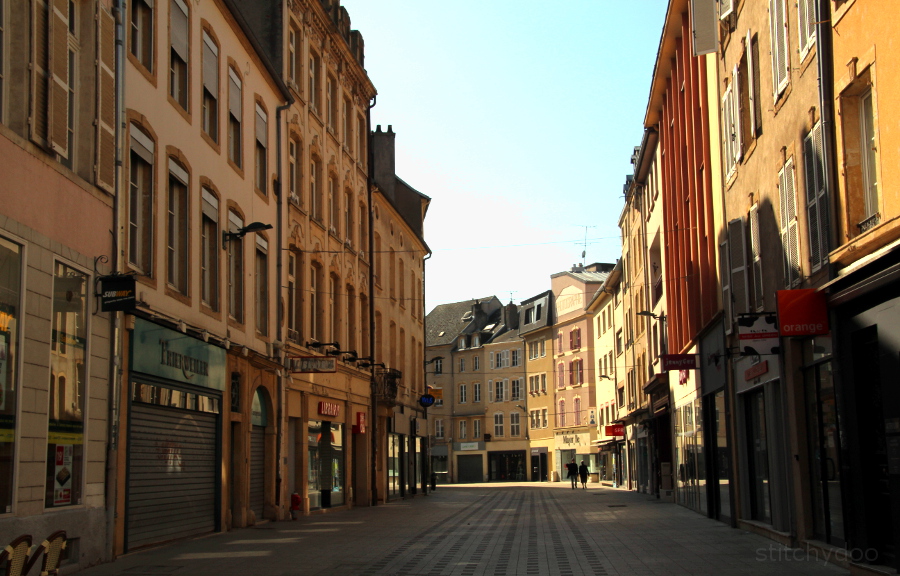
x=10, y=316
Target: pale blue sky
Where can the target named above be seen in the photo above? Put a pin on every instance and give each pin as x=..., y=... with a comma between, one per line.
x=518, y=119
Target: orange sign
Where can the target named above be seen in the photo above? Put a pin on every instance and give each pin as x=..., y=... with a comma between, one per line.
x=802, y=312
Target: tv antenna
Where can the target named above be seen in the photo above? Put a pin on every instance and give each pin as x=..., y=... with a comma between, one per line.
x=584, y=249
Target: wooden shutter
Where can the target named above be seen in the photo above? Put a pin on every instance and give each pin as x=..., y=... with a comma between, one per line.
x=490, y=387
x=58, y=65
x=780, y=56
x=736, y=113
x=790, y=241
x=726, y=8
x=751, y=83
x=725, y=274
x=816, y=207
x=179, y=29
x=105, y=165
x=737, y=255
x=40, y=66
x=755, y=259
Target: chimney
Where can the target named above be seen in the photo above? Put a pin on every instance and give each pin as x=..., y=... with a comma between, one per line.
x=511, y=316
x=384, y=169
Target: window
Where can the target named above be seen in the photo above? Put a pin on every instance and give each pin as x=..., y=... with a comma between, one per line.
x=498, y=424
x=476, y=392
x=209, y=249
x=461, y=345
x=575, y=339
x=462, y=394
x=780, y=57
x=351, y=318
x=142, y=32
x=295, y=73
x=543, y=349
x=294, y=172
x=363, y=229
x=10, y=304
x=235, y=116
x=578, y=366
x=439, y=428
x=335, y=302
x=516, y=389
x=806, y=23
x=315, y=318
x=315, y=188
x=262, y=285
x=179, y=53
x=294, y=299
x=63, y=82
x=348, y=218
x=619, y=342
x=313, y=95
x=544, y=383
x=756, y=260
x=577, y=417
x=262, y=132
x=514, y=424
x=561, y=414
x=505, y=359
x=516, y=357
x=462, y=364
x=560, y=375
x=476, y=361
x=754, y=102
x=235, y=270
x=361, y=135
x=68, y=381
x=177, y=253
x=140, y=202
x=544, y=421
x=731, y=123
x=529, y=315
x=559, y=343
x=462, y=430
x=790, y=238
x=500, y=390
x=210, y=115
x=868, y=148
x=538, y=310
x=401, y=281
x=438, y=366
x=334, y=206
x=816, y=200
x=331, y=103
x=476, y=429
x=348, y=125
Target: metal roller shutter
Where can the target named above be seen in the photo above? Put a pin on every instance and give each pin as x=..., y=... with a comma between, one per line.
x=258, y=471
x=171, y=474
x=470, y=468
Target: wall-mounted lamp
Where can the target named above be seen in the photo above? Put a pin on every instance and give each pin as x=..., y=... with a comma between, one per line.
x=241, y=232
x=370, y=364
x=349, y=356
x=604, y=377
x=652, y=315
x=433, y=360
x=317, y=344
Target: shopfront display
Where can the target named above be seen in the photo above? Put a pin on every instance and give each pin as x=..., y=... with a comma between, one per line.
x=10, y=311
x=508, y=466
x=325, y=487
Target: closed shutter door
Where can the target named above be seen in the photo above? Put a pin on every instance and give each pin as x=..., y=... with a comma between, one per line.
x=258, y=471
x=471, y=468
x=171, y=474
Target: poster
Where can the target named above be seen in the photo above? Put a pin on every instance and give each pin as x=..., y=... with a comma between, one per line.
x=62, y=488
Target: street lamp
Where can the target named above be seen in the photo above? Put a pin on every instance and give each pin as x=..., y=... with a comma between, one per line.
x=241, y=232
x=652, y=315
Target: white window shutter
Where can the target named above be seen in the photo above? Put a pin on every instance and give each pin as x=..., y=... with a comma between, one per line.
x=790, y=241
x=736, y=113
x=725, y=274
x=727, y=127
x=492, y=360
x=726, y=8
x=751, y=87
x=58, y=63
x=756, y=260
x=737, y=255
x=780, y=56
x=490, y=390
x=816, y=207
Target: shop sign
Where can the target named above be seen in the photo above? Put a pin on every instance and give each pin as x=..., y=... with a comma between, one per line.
x=360, y=426
x=679, y=362
x=329, y=409
x=756, y=370
x=802, y=312
x=468, y=445
x=117, y=293
x=759, y=333
x=311, y=364
x=162, y=352
x=615, y=430
x=427, y=400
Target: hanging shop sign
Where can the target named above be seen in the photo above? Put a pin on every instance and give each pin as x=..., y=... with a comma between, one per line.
x=615, y=430
x=679, y=362
x=169, y=354
x=311, y=364
x=758, y=334
x=802, y=312
x=360, y=426
x=427, y=400
x=117, y=293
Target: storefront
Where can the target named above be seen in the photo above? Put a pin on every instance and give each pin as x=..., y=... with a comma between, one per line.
x=575, y=445
x=326, y=458
x=539, y=464
x=173, y=436
x=507, y=466
x=714, y=423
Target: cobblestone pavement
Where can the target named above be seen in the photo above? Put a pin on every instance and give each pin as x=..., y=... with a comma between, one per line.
x=483, y=529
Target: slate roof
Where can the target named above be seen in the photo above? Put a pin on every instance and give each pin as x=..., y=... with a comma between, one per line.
x=444, y=323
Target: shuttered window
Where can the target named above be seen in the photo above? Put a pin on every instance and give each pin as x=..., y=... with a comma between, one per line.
x=756, y=260
x=728, y=134
x=262, y=285
x=140, y=202
x=142, y=32
x=235, y=117
x=210, y=91
x=790, y=238
x=177, y=229
x=235, y=270
x=752, y=81
x=725, y=273
x=261, y=161
x=737, y=257
x=816, y=198
x=209, y=250
x=780, y=56
x=60, y=64
x=726, y=8
x=105, y=164
x=806, y=25
x=179, y=53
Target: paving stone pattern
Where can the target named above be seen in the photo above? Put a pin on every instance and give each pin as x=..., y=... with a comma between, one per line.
x=482, y=530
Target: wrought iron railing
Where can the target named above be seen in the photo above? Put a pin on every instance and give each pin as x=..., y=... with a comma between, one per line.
x=387, y=383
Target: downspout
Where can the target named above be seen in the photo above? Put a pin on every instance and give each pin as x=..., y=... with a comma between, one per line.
x=279, y=335
x=370, y=157
x=824, y=57
x=115, y=354
x=426, y=460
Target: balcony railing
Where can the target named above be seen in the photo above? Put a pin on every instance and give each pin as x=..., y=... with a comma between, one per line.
x=387, y=383
x=657, y=290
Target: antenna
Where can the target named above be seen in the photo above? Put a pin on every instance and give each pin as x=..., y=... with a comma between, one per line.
x=584, y=250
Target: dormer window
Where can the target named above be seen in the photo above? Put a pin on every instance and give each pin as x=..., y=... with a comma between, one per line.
x=476, y=340
x=462, y=343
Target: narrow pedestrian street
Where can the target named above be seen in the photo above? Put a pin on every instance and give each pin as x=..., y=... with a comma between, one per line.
x=481, y=529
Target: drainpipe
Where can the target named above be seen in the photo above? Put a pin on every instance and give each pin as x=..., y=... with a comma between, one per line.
x=279, y=308
x=115, y=344
x=426, y=457
x=824, y=57
x=373, y=468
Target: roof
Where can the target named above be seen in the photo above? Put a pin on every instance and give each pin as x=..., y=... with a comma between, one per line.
x=445, y=321
x=507, y=336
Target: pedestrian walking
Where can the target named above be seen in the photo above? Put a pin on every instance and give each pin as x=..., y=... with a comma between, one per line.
x=583, y=472
x=572, y=468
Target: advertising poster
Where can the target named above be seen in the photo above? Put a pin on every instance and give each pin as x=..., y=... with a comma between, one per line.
x=62, y=489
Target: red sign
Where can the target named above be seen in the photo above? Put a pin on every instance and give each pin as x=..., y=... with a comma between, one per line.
x=802, y=312
x=615, y=430
x=360, y=426
x=679, y=362
x=756, y=370
x=329, y=409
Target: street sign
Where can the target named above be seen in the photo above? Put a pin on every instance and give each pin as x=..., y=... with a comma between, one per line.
x=426, y=400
